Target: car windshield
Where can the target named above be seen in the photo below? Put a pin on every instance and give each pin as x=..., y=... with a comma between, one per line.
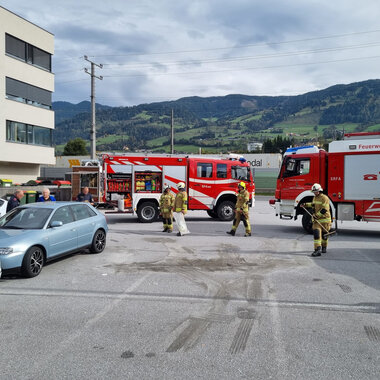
x=29, y=218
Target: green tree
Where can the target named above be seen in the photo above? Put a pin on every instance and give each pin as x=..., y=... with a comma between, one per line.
x=75, y=147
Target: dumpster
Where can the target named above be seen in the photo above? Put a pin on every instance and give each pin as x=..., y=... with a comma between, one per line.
x=60, y=183
x=23, y=199
x=5, y=182
x=31, y=196
x=33, y=182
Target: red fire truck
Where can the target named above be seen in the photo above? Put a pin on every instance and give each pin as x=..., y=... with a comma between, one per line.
x=349, y=174
x=138, y=182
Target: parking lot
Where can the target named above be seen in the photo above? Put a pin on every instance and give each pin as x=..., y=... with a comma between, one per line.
x=205, y=305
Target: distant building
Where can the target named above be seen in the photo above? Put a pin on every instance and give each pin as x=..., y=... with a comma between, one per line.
x=26, y=87
x=254, y=146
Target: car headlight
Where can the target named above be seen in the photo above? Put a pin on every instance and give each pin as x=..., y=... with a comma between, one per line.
x=6, y=251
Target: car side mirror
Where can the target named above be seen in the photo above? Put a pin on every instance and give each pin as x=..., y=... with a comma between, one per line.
x=56, y=223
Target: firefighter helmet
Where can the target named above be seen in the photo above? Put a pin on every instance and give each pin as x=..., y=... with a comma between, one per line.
x=166, y=187
x=316, y=187
x=242, y=184
x=180, y=186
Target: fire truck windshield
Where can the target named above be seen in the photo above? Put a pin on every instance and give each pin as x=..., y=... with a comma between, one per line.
x=295, y=166
x=241, y=172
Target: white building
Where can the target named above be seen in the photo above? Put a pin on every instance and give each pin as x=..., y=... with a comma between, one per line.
x=26, y=87
x=254, y=146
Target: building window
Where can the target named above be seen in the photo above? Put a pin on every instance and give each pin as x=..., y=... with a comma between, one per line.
x=26, y=93
x=28, y=134
x=27, y=52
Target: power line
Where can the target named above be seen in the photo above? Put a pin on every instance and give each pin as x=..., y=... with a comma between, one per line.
x=242, y=46
x=242, y=69
x=243, y=58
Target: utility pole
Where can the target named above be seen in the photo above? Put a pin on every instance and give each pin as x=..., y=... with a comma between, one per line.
x=93, y=122
x=172, y=134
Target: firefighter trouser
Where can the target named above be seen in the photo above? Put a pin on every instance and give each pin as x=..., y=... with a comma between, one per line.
x=319, y=231
x=244, y=217
x=167, y=221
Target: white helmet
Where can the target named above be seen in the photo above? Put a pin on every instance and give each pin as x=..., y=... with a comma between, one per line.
x=166, y=186
x=316, y=187
x=180, y=185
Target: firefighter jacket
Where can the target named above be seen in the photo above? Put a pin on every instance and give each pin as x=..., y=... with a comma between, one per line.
x=321, y=208
x=242, y=201
x=167, y=204
x=180, y=202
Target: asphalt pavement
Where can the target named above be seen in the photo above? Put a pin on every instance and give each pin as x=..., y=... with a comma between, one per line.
x=206, y=305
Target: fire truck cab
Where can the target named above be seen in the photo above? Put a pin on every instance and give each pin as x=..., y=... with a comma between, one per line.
x=349, y=174
x=137, y=183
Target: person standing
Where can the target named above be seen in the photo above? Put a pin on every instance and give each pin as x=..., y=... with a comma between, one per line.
x=46, y=197
x=180, y=208
x=241, y=211
x=85, y=196
x=166, y=209
x=14, y=200
x=321, y=219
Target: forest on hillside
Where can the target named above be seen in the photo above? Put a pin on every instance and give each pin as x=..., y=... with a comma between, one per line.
x=229, y=122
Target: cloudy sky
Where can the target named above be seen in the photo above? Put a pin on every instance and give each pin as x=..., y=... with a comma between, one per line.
x=156, y=50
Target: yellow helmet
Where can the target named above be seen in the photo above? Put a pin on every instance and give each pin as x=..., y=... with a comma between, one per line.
x=242, y=184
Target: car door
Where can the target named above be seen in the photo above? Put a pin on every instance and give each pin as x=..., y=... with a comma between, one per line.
x=64, y=238
x=84, y=224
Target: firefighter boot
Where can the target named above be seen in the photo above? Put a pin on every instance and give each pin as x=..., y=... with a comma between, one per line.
x=324, y=249
x=232, y=232
x=247, y=234
x=317, y=252
x=165, y=229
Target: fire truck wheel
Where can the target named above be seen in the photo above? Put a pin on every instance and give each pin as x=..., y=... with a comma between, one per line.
x=307, y=224
x=147, y=212
x=226, y=211
x=212, y=213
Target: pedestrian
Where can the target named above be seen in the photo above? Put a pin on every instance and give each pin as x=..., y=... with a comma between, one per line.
x=85, y=196
x=15, y=200
x=180, y=208
x=241, y=210
x=46, y=197
x=321, y=218
x=166, y=209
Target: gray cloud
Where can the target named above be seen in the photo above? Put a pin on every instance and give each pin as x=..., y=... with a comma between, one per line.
x=163, y=50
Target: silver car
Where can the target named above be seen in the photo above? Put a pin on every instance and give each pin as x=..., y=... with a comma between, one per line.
x=35, y=233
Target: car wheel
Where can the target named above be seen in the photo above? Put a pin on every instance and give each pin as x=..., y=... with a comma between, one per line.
x=147, y=212
x=307, y=223
x=226, y=211
x=33, y=262
x=98, y=242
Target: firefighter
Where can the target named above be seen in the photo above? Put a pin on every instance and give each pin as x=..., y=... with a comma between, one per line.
x=166, y=209
x=241, y=211
x=321, y=219
x=180, y=208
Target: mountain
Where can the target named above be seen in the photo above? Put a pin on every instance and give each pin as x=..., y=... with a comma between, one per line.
x=228, y=122
x=66, y=110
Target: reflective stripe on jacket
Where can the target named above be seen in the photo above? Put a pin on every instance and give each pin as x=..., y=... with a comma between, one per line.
x=321, y=208
x=180, y=202
x=242, y=200
x=166, y=202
